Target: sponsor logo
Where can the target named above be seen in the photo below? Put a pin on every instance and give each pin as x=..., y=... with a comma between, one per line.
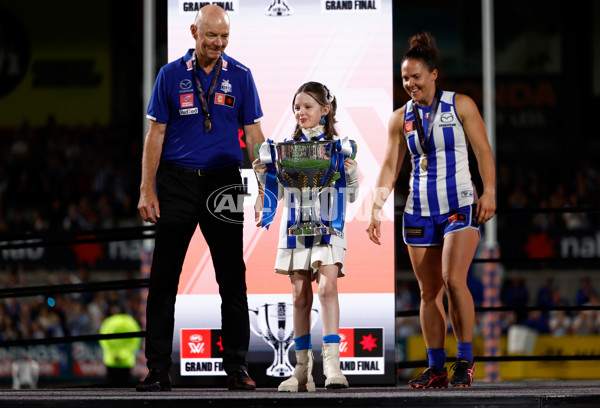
x=414, y=232
x=457, y=217
x=189, y=111
x=186, y=85
x=361, y=351
x=198, y=343
x=201, y=352
x=367, y=342
x=226, y=85
x=466, y=193
x=408, y=126
x=446, y=117
x=186, y=100
x=225, y=100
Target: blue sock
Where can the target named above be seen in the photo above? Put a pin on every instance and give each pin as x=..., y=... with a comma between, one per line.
x=465, y=352
x=436, y=357
x=303, y=342
x=331, y=338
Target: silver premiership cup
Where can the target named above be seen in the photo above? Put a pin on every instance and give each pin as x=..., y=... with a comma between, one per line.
x=303, y=167
x=306, y=169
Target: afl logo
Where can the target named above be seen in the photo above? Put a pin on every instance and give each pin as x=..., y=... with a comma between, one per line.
x=447, y=117
x=227, y=203
x=185, y=84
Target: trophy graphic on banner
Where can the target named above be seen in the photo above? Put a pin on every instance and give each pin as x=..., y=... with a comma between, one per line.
x=278, y=8
x=274, y=324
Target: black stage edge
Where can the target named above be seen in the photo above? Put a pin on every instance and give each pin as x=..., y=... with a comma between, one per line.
x=519, y=394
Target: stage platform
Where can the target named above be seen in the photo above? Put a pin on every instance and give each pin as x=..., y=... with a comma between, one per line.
x=519, y=394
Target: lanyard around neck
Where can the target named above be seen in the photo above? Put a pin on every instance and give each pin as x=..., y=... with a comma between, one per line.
x=206, y=97
x=424, y=137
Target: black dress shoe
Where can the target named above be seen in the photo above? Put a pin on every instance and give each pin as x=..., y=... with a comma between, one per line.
x=240, y=381
x=156, y=380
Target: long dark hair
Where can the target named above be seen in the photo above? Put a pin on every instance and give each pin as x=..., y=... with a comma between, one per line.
x=324, y=97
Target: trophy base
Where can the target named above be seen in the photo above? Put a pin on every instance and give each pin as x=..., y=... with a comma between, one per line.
x=279, y=12
x=308, y=229
x=281, y=370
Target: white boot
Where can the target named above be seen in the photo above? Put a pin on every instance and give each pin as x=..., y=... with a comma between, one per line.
x=331, y=366
x=302, y=379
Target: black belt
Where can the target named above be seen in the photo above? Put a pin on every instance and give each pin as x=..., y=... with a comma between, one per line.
x=223, y=171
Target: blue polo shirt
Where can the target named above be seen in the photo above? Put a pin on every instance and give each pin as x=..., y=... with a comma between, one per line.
x=174, y=101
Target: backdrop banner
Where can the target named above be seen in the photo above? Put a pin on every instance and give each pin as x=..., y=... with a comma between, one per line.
x=348, y=47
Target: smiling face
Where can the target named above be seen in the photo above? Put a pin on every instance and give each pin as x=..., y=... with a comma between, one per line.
x=211, y=33
x=307, y=110
x=418, y=81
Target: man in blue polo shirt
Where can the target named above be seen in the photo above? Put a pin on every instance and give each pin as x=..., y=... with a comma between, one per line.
x=192, y=153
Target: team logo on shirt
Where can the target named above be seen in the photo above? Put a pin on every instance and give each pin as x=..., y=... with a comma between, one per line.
x=226, y=86
x=408, y=126
x=186, y=100
x=225, y=100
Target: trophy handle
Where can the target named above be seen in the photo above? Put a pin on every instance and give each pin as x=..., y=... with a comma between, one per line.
x=254, y=313
x=314, y=316
x=354, y=147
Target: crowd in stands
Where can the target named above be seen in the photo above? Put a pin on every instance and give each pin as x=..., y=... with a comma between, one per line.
x=67, y=178
x=515, y=293
x=549, y=294
x=552, y=185
x=546, y=185
x=57, y=178
x=60, y=315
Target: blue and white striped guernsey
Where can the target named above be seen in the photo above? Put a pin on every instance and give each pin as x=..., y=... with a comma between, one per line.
x=445, y=184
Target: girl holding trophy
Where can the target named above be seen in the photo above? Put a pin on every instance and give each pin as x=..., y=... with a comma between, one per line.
x=316, y=256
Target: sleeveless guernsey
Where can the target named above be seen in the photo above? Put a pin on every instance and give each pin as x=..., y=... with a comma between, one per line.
x=440, y=180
